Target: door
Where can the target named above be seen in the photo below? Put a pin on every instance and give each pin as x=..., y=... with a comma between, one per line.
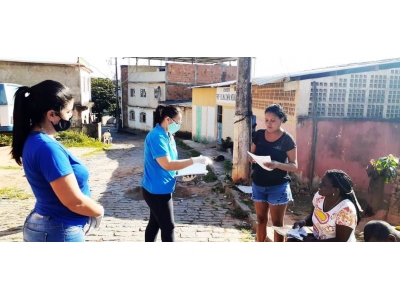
x=219, y=123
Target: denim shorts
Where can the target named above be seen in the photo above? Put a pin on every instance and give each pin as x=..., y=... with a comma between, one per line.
x=38, y=228
x=273, y=195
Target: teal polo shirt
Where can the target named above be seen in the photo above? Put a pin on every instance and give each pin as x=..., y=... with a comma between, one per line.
x=158, y=143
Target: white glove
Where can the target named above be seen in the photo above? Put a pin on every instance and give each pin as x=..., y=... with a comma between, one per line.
x=204, y=160
x=188, y=177
x=94, y=222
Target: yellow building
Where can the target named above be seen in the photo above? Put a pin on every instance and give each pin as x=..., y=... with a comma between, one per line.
x=214, y=106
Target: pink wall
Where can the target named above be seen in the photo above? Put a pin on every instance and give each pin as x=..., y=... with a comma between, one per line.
x=347, y=145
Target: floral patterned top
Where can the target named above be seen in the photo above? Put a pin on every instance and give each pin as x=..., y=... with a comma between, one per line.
x=324, y=223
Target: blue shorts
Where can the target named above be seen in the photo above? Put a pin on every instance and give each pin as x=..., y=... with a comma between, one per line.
x=273, y=195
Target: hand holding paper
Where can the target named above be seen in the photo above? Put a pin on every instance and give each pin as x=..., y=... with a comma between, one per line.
x=193, y=170
x=260, y=160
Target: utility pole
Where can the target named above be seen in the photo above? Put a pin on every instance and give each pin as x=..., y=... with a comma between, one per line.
x=242, y=124
x=116, y=94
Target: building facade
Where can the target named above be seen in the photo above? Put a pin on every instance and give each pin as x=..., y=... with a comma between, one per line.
x=76, y=76
x=341, y=117
x=145, y=87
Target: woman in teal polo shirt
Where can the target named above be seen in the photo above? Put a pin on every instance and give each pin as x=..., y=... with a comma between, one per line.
x=160, y=166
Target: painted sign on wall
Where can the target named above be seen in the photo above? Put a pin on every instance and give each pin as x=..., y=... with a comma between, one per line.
x=226, y=95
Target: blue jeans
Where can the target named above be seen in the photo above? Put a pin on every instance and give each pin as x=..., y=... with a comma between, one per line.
x=38, y=228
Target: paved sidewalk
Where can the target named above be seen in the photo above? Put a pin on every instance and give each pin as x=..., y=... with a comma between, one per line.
x=201, y=214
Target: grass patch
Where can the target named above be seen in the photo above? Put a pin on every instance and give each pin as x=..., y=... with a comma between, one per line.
x=14, y=193
x=210, y=176
x=246, y=230
x=93, y=152
x=10, y=168
x=227, y=165
x=78, y=139
x=194, y=153
x=5, y=140
x=182, y=145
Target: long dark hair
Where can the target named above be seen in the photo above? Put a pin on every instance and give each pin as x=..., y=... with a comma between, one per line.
x=343, y=182
x=163, y=111
x=278, y=110
x=30, y=107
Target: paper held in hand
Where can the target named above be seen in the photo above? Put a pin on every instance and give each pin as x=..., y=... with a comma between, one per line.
x=260, y=160
x=195, y=169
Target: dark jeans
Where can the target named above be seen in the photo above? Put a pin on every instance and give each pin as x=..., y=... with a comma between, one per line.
x=161, y=217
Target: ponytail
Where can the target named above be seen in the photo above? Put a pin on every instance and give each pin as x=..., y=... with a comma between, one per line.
x=158, y=116
x=163, y=111
x=22, y=122
x=30, y=107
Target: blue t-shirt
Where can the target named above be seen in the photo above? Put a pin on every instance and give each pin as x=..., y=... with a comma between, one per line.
x=45, y=160
x=156, y=179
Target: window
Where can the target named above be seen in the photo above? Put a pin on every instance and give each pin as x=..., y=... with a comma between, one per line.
x=133, y=93
x=219, y=114
x=143, y=93
x=132, y=115
x=142, y=117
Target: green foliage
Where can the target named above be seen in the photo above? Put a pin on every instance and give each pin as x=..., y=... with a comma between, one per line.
x=386, y=166
x=5, y=140
x=14, y=193
x=10, y=168
x=103, y=96
x=210, y=176
x=182, y=145
x=194, y=153
x=228, y=166
x=77, y=139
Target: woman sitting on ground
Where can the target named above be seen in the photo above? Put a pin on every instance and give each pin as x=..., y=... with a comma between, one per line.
x=336, y=211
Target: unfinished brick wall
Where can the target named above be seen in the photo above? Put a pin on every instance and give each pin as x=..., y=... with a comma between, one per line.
x=182, y=76
x=273, y=93
x=124, y=77
x=393, y=216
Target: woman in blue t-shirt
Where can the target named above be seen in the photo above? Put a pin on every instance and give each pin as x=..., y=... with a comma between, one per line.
x=160, y=166
x=58, y=179
x=271, y=188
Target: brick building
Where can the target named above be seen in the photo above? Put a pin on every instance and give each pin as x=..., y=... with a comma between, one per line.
x=145, y=87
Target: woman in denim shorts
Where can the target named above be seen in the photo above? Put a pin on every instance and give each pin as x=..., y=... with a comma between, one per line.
x=271, y=188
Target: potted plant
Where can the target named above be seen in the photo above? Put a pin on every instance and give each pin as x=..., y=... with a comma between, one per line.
x=380, y=171
x=383, y=167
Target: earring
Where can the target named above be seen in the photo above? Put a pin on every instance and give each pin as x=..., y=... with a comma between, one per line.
x=333, y=194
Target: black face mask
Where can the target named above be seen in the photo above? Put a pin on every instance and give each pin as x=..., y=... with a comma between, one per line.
x=62, y=125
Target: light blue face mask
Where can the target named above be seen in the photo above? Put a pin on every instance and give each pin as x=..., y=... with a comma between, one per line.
x=173, y=127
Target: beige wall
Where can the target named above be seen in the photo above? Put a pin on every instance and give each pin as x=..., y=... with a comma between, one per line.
x=29, y=74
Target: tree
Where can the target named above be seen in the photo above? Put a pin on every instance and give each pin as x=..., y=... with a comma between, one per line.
x=103, y=96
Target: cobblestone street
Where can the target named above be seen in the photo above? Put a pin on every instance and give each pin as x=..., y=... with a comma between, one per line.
x=202, y=214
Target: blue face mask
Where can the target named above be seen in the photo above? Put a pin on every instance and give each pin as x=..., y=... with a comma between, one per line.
x=174, y=127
